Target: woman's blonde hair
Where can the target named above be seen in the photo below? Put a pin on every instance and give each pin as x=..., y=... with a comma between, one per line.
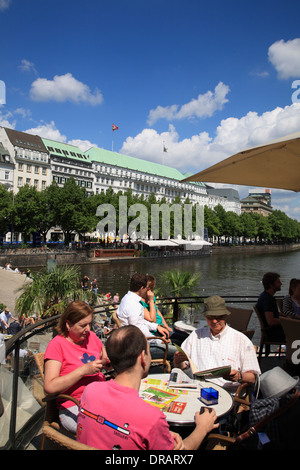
x=75, y=312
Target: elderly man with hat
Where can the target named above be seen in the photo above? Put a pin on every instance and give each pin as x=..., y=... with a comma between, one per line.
x=219, y=345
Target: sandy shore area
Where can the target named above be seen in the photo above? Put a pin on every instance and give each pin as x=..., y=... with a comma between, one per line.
x=10, y=283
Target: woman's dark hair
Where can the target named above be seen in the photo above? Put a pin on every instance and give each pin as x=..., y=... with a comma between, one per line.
x=74, y=312
x=293, y=284
x=123, y=347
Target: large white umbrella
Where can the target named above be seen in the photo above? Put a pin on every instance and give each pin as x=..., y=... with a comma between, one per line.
x=273, y=165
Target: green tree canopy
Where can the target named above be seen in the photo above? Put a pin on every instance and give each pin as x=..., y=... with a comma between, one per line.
x=74, y=211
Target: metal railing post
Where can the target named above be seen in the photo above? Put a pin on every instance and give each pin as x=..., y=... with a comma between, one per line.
x=14, y=401
x=175, y=311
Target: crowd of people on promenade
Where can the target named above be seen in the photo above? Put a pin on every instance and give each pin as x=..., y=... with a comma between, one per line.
x=92, y=285
x=8, y=267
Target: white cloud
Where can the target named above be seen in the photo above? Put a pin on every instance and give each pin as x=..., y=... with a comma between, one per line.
x=201, y=151
x=204, y=106
x=84, y=145
x=4, y=4
x=287, y=202
x=64, y=88
x=49, y=131
x=24, y=113
x=285, y=57
x=27, y=66
x=260, y=74
x=5, y=120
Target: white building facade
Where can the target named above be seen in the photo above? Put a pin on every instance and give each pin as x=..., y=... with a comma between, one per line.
x=27, y=159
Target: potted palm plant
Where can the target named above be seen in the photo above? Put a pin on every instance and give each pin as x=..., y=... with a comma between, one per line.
x=178, y=284
x=49, y=292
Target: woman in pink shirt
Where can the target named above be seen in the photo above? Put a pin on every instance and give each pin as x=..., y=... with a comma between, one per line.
x=73, y=359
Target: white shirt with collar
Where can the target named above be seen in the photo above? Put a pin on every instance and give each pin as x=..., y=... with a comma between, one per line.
x=230, y=347
x=131, y=312
x=4, y=318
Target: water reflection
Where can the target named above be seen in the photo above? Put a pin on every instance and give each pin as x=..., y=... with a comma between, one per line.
x=223, y=275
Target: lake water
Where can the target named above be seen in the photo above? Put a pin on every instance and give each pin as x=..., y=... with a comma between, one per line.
x=236, y=274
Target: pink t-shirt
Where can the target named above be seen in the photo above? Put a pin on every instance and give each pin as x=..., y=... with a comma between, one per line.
x=114, y=417
x=71, y=356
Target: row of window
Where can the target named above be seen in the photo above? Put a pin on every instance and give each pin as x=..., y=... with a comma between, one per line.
x=32, y=155
x=64, y=169
x=29, y=167
x=147, y=178
x=30, y=144
x=139, y=187
x=36, y=183
x=66, y=153
x=88, y=184
x=63, y=180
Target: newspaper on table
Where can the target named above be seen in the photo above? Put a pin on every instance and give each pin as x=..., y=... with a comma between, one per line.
x=178, y=379
x=157, y=396
x=208, y=373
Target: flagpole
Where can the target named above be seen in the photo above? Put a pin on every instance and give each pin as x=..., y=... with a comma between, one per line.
x=164, y=150
x=114, y=128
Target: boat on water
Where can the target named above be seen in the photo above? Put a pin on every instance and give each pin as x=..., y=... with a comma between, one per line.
x=21, y=385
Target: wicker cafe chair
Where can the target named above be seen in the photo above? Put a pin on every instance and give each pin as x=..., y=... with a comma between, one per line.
x=216, y=441
x=116, y=319
x=242, y=398
x=161, y=361
x=239, y=319
x=38, y=379
x=154, y=362
x=52, y=428
x=39, y=360
x=291, y=328
x=266, y=337
x=239, y=415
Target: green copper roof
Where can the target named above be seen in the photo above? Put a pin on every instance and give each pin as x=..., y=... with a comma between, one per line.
x=198, y=183
x=107, y=157
x=99, y=155
x=65, y=150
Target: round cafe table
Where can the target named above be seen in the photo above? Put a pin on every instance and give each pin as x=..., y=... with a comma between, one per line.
x=191, y=397
x=187, y=327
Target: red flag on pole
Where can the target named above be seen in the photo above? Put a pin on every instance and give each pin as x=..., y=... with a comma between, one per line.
x=114, y=128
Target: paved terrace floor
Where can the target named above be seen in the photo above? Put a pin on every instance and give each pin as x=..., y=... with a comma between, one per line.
x=10, y=285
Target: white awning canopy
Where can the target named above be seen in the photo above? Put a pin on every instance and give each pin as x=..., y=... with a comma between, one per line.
x=191, y=242
x=158, y=242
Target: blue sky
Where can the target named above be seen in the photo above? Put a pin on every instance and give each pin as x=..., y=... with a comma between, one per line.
x=205, y=79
